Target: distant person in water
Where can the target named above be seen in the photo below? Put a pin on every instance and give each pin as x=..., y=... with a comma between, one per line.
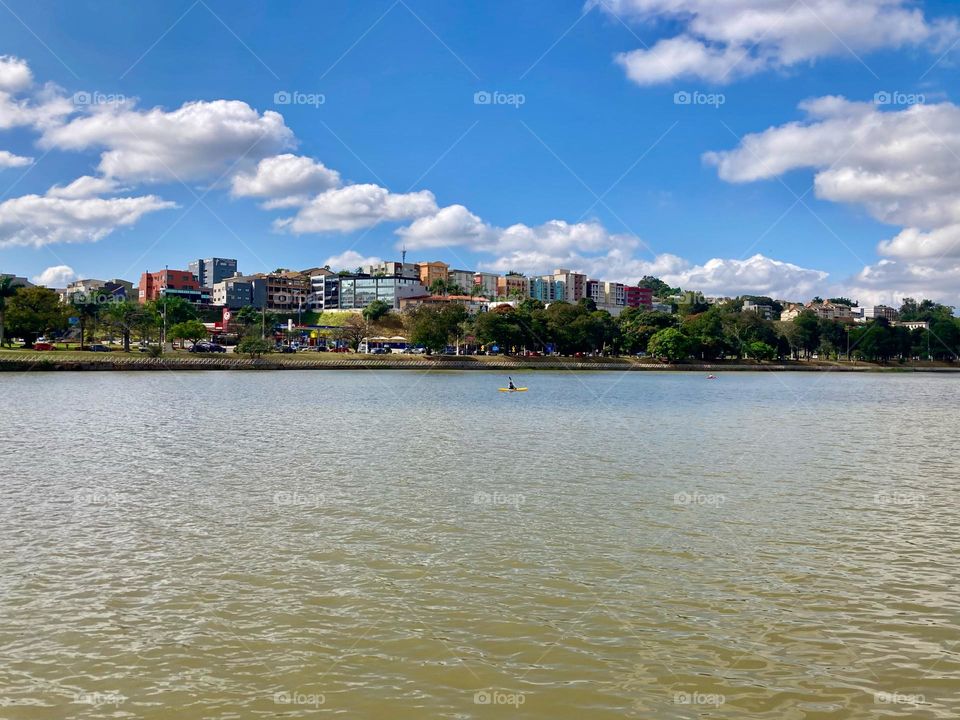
x=510, y=385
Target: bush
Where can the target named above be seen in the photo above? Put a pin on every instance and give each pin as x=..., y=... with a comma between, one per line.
x=154, y=351
x=254, y=347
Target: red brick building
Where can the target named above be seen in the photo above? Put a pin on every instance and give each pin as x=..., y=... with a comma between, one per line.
x=173, y=283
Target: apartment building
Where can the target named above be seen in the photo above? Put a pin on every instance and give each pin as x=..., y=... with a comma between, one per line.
x=487, y=282
x=172, y=283
x=545, y=289
x=410, y=271
x=432, y=271
x=638, y=297
x=574, y=284
x=210, y=271
x=512, y=285
x=355, y=292
x=463, y=279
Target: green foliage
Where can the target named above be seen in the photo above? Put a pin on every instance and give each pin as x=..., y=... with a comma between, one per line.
x=254, y=347
x=637, y=326
x=926, y=310
x=659, y=287
x=35, y=311
x=432, y=327
x=670, y=344
x=758, y=350
x=7, y=291
x=192, y=330
x=376, y=310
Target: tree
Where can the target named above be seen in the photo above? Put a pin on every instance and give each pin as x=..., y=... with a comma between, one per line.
x=659, y=287
x=670, y=344
x=7, y=291
x=124, y=316
x=761, y=351
x=432, y=327
x=35, y=311
x=86, y=307
x=638, y=325
x=354, y=330
x=192, y=330
x=376, y=310
x=254, y=347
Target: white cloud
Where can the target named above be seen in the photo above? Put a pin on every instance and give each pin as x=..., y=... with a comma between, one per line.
x=57, y=276
x=900, y=166
x=199, y=140
x=357, y=206
x=35, y=220
x=285, y=180
x=84, y=187
x=15, y=74
x=452, y=225
x=720, y=41
x=350, y=260
x=9, y=160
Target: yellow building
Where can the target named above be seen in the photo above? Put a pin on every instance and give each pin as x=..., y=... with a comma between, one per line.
x=432, y=271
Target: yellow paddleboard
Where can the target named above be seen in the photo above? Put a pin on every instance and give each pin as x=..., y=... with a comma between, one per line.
x=514, y=390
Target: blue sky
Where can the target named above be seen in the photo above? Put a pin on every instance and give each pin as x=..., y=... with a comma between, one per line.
x=602, y=167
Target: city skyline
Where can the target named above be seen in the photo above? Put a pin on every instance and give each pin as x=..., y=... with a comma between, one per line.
x=723, y=163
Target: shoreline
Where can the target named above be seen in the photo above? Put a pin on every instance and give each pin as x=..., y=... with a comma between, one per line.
x=28, y=363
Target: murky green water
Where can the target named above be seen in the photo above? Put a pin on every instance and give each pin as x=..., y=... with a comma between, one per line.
x=414, y=545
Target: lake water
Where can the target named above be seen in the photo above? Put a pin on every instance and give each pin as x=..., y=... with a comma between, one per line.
x=417, y=545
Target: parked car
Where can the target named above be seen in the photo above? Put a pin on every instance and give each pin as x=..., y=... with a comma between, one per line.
x=98, y=347
x=206, y=347
x=285, y=349
x=43, y=346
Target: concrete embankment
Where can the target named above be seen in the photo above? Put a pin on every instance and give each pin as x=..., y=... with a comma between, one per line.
x=28, y=362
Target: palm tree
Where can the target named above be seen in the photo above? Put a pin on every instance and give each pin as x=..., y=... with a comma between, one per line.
x=7, y=290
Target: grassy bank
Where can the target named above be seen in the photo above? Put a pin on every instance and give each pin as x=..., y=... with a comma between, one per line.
x=28, y=360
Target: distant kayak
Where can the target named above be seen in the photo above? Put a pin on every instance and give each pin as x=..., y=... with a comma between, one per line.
x=711, y=377
x=513, y=390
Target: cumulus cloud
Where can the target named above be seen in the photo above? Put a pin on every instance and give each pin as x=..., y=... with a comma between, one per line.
x=9, y=160
x=285, y=180
x=84, y=187
x=38, y=220
x=199, y=140
x=357, y=206
x=57, y=276
x=15, y=74
x=723, y=41
x=900, y=166
x=350, y=260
